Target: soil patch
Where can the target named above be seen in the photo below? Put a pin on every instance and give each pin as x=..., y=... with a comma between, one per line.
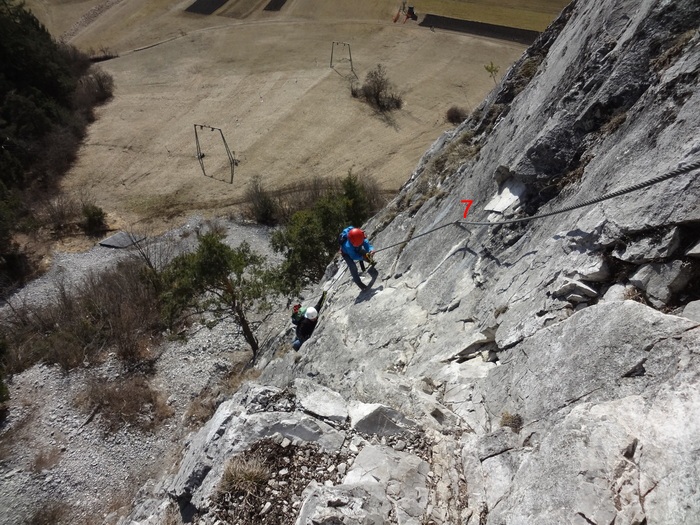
x=511, y=34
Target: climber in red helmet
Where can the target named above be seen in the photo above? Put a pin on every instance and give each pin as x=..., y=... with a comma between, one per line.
x=354, y=246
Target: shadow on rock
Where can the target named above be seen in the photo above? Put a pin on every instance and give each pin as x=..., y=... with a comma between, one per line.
x=368, y=293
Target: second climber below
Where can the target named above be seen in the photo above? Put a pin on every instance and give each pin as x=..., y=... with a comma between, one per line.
x=305, y=320
x=354, y=246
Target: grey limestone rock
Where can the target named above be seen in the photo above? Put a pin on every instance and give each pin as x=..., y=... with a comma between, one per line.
x=662, y=280
x=375, y=418
x=692, y=311
x=227, y=434
x=650, y=248
x=320, y=401
x=403, y=477
x=357, y=504
x=694, y=251
x=606, y=388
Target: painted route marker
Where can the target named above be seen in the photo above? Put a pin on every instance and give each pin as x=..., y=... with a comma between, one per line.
x=466, y=210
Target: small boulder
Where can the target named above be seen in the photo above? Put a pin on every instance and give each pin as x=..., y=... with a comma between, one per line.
x=572, y=287
x=692, y=311
x=379, y=419
x=320, y=401
x=694, y=251
x=660, y=281
x=650, y=248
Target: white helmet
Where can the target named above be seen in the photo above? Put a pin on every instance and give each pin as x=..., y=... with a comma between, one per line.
x=311, y=313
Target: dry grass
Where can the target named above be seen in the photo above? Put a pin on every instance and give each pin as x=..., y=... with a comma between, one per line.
x=512, y=421
x=172, y=516
x=573, y=176
x=245, y=475
x=114, y=309
x=668, y=57
x=448, y=161
x=9, y=438
x=632, y=293
x=46, y=459
x=613, y=124
x=524, y=74
x=201, y=409
x=125, y=402
x=51, y=513
x=238, y=377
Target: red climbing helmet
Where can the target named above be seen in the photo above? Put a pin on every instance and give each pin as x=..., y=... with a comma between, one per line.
x=356, y=236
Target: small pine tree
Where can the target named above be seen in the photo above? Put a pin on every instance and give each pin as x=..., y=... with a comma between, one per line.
x=492, y=70
x=218, y=278
x=357, y=202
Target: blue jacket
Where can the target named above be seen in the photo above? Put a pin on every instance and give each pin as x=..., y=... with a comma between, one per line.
x=356, y=253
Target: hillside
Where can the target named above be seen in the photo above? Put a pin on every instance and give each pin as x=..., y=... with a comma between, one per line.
x=265, y=81
x=540, y=371
x=543, y=371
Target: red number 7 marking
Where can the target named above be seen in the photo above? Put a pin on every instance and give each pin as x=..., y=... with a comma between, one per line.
x=466, y=210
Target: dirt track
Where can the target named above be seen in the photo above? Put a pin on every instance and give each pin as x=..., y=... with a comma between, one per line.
x=266, y=82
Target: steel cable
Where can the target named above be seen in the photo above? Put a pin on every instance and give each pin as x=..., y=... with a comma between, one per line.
x=674, y=173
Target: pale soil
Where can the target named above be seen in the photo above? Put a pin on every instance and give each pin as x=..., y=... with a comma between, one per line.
x=266, y=82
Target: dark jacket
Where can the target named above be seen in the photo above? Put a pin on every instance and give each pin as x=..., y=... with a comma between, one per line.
x=306, y=327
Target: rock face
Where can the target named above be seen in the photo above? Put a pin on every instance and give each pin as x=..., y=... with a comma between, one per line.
x=537, y=372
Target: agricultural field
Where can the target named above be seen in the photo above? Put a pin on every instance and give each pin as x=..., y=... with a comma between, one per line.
x=265, y=79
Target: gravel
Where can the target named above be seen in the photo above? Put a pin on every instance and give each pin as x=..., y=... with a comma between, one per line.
x=55, y=455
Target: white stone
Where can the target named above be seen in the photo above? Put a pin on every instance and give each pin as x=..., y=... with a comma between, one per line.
x=320, y=401
x=662, y=280
x=510, y=193
x=694, y=251
x=266, y=508
x=571, y=286
x=692, y=311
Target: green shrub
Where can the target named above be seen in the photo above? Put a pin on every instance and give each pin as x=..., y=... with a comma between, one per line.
x=310, y=239
x=218, y=279
x=303, y=244
x=492, y=69
x=262, y=206
x=93, y=219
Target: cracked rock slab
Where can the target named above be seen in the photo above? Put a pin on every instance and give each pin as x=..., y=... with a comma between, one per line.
x=375, y=418
x=320, y=401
